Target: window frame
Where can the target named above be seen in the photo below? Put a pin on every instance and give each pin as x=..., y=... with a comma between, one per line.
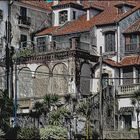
x=63, y=16
x=111, y=46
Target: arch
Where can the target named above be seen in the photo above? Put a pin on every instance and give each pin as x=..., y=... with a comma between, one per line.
x=25, y=83
x=60, y=79
x=85, y=79
x=41, y=82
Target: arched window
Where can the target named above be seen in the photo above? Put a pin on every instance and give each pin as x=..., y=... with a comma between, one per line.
x=63, y=16
x=109, y=41
x=105, y=79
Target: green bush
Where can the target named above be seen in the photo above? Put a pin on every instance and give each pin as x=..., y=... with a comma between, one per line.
x=54, y=132
x=28, y=133
x=12, y=133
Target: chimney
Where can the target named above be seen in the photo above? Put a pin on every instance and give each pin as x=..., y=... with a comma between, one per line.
x=79, y=2
x=55, y=2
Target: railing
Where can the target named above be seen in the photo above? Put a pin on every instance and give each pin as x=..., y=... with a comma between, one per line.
x=132, y=48
x=45, y=47
x=24, y=21
x=128, y=89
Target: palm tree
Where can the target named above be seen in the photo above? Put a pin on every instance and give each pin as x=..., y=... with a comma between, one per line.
x=135, y=101
x=84, y=108
x=49, y=101
x=38, y=106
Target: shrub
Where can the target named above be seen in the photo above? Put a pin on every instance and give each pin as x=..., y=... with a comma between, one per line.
x=54, y=132
x=12, y=133
x=28, y=133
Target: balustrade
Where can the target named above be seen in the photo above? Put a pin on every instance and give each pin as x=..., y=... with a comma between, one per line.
x=128, y=89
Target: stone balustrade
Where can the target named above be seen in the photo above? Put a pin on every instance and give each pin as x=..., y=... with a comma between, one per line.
x=128, y=89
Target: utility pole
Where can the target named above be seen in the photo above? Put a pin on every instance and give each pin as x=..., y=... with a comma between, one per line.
x=101, y=97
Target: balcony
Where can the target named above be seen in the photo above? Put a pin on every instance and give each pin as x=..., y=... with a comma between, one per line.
x=132, y=48
x=48, y=51
x=128, y=89
x=24, y=22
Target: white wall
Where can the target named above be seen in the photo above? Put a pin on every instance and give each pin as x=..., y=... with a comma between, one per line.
x=101, y=41
x=4, y=8
x=126, y=102
x=112, y=73
x=70, y=14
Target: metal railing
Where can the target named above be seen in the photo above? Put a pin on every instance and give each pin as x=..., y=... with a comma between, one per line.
x=132, y=48
x=24, y=20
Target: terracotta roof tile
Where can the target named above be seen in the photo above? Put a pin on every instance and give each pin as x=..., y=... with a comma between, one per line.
x=133, y=28
x=130, y=60
x=108, y=16
x=49, y=30
x=39, y=3
x=126, y=61
x=111, y=62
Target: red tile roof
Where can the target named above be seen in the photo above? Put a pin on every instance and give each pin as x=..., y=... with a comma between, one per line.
x=133, y=28
x=49, y=30
x=108, y=16
x=39, y=3
x=130, y=60
x=126, y=61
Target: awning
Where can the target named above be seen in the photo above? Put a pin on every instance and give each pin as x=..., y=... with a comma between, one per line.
x=126, y=110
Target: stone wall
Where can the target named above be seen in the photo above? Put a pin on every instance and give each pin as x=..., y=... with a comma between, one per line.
x=120, y=135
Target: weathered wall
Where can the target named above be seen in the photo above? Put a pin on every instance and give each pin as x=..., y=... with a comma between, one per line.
x=124, y=24
x=39, y=20
x=4, y=8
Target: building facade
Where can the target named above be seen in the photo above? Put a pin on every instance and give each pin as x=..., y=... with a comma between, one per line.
x=64, y=57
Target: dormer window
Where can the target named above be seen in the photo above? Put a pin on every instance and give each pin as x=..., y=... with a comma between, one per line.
x=63, y=17
x=123, y=7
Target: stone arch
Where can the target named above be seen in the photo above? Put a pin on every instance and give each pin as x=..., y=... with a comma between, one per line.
x=60, y=79
x=85, y=77
x=41, y=81
x=25, y=83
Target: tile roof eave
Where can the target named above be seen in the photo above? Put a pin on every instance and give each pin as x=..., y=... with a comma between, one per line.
x=71, y=33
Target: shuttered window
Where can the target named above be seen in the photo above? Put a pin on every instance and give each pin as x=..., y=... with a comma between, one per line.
x=128, y=76
x=109, y=41
x=63, y=17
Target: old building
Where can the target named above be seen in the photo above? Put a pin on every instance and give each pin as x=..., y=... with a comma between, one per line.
x=64, y=56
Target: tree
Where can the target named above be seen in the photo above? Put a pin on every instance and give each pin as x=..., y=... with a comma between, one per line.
x=135, y=101
x=38, y=106
x=6, y=109
x=84, y=108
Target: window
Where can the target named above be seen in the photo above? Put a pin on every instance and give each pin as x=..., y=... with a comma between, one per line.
x=63, y=17
x=109, y=41
x=74, y=14
x=23, y=11
x=131, y=42
x=23, y=40
x=127, y=75
x=105, y=79
x=120, y=10
x=42, y=43
x=1, y=14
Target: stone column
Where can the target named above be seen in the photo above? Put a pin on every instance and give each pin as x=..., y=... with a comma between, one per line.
x=134, y=75
x=121, y=76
